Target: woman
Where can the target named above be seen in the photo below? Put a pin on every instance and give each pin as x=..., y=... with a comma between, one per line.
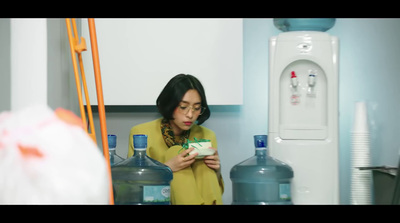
x=183, y=105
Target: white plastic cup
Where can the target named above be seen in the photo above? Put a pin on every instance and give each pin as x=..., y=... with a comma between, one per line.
x=360, y=124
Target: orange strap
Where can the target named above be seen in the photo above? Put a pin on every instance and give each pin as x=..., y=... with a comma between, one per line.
x=78, y=48
x=100, y=100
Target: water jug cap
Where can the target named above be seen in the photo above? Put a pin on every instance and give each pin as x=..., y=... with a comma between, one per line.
x=140, y=141
x=112, y=141
x=260, y=141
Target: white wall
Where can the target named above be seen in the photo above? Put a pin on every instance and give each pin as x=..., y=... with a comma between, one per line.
x=28, y=62
x=61, y=84
x=369, y=65
x=138, y=56
x=35, y=64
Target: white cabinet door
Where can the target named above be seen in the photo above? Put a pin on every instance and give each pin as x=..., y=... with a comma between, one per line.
x=139, y=56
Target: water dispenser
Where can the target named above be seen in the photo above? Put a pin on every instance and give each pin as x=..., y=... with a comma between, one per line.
x=303, y=107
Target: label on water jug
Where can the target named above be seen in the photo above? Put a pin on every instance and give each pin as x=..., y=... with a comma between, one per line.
x=156, y=193
x=284, y=192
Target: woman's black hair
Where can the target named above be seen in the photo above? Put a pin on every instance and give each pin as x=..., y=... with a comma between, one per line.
x=173, y=92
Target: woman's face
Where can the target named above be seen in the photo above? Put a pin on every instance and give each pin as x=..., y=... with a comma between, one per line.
x=187, y=112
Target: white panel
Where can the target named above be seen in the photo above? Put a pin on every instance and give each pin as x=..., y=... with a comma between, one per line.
x=28, y=62
x=304, y=107
x=139, y=56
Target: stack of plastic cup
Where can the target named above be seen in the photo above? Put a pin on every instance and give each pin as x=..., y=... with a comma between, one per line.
x=361, y=180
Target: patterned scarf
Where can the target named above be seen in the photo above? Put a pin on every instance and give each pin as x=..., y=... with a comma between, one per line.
x=169, y=136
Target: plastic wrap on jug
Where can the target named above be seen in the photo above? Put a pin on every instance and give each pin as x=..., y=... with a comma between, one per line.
x=140, y=179
x=261, y=179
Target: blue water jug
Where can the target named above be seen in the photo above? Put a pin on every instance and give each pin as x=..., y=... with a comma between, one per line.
x=304, y=24
x=261, y=179
x=140, y=179
x=112, y=145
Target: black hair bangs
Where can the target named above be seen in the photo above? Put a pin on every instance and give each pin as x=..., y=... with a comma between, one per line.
x=173, y=92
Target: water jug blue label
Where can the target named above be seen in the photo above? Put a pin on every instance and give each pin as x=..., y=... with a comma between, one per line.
x=156, y=193
x=284, y=192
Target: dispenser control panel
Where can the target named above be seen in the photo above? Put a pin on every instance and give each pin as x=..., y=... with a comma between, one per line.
x=304, y=47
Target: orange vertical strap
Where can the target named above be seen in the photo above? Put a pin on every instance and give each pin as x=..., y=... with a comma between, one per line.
x=100, y=101
x=76, y=72
x=78, y=49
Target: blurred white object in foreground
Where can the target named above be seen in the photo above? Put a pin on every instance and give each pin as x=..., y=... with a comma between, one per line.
x=47, y=158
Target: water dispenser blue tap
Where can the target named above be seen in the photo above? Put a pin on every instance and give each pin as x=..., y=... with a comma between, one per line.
x=311, y=83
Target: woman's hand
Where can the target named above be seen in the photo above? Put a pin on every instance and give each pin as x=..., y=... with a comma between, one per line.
x=181, y=161
x=213, y=160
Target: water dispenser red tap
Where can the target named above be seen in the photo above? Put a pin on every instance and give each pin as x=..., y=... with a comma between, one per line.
x=294, y=79
x=295, y=98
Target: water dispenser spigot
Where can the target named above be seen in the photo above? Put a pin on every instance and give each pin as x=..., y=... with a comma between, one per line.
x=311, y=79
x=311, y=83
x=293, y=80
x=295, y=98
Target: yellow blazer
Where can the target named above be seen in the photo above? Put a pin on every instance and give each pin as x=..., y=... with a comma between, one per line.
x=196, y=184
